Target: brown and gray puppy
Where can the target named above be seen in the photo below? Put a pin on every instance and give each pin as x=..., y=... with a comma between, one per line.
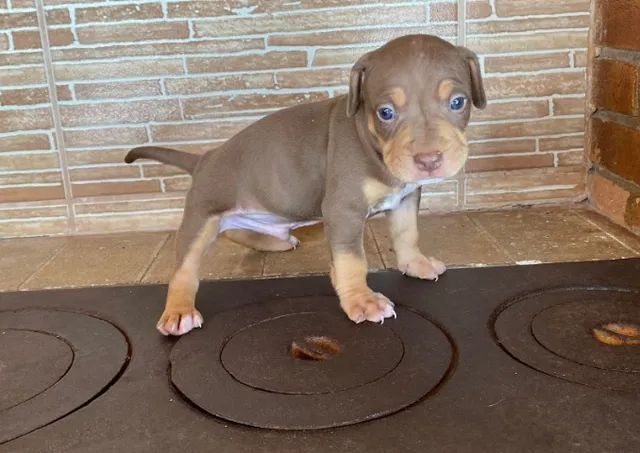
x=337, y=161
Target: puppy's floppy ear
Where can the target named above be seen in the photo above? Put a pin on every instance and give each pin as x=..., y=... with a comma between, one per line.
x=477, y=89
x=356, y=79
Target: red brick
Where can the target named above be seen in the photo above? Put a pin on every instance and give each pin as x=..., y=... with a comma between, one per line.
x=527, y=62
x=21, y=76
x=194, y=85
x=512, y=110
x=571, y=158
x=4, y=42
x=502, y=147
x=568, y=106
x=615, y=147
x=26, y=142
x=614, y=24
x=28, y=96
x=117, y=90
x=101, y=173
x=561, y=143
x=314, y=78
x=547, y=40
x=136, y=135
x=530, y=128
x=31, y=161
x=528, y=24
x=197, y=131
x=535, y=85
x=616, y=86
x=622, y=205
x=120, y=69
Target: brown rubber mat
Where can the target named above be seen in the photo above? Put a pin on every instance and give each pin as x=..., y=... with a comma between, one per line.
x=527, y=358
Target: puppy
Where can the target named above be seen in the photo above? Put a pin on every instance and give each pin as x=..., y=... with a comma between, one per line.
x=338, y=161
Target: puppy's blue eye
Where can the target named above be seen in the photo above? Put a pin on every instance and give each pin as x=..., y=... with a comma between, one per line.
x=386, y=113
x=457, y=103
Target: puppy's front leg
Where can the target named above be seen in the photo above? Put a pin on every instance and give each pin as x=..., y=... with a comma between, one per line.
x=349, y=271
x=403, y=226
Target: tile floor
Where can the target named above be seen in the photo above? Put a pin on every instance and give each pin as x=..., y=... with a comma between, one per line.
x=550, y=234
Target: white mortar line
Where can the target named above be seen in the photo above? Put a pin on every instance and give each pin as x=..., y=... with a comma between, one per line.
x=462, y=22
x=55, y=111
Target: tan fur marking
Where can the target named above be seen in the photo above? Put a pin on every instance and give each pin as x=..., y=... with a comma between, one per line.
x=404, y=232
x=397, y=151
x=398, y=96
x=445, y=88
x=349, y=275
x=184, y=283
x=257, y=241
x=374, y=190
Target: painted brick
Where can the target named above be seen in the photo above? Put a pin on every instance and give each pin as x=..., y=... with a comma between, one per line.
x=331, y=57
x=527, y=7
x=318, y=77
x=26, y=193
x=246, y=62
x=193, y=85
x=119, y=113
x=30, y=178
x=527, y=62
x=117, y=90
x=548, y=40
x=24, y=142
x=31, y=161
x=119, y=69
x=31, y=39
x=98, y=173
x=113, y=13
x=528, y=24
x=156, y=49
x=509, y=162
x=379, y=15
x=27, y=96
x=442, y=11
x=360, y=36
x=502, y=147
x=616, y=86
x=614, y=21
x=136, y=135
x=512, y=110
x=218, y=105
x=530, y=128
x=571, y=158
x=114, y=188
x=21, y=76
x=18, y=120
x=197, y=131
x=615, y=147
x=568, y=106
x=561, y=143
x=132, y=32
x=535, y=85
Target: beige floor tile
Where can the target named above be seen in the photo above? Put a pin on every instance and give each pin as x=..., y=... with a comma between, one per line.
x=312, y=255
x=549, y=235
x=99, y=260
x=225, y=259
x=452, y=238
x=622, y=235
x=20, y=258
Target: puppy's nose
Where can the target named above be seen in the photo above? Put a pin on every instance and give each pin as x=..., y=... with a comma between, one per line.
x=428, y=161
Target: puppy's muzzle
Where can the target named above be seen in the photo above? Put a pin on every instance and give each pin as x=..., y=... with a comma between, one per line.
x=428, y=162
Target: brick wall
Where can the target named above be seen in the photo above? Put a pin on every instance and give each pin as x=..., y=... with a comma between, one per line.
x=189, y=74
x=614, y=123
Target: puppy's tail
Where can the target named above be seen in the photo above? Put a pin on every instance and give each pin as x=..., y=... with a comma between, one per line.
x=180, y=159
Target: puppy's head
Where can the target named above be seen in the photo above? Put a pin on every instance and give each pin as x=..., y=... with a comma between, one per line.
x=413, y=97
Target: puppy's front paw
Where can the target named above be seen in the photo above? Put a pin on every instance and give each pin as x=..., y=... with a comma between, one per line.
x=367, y=306
x=179, y=322
x=420, y=266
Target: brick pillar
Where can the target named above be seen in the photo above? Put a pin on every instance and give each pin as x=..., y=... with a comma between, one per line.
x=614, y=123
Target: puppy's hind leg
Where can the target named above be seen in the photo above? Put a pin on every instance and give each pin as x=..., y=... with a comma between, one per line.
x=197, y=230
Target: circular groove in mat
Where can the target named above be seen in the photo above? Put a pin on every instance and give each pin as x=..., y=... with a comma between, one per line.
x=53, y=362
x=552, y=332
x=239, y=366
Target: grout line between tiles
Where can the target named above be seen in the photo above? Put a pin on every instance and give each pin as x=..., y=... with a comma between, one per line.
x=611, y=235
x=153, y=259
x=55, y=113
x=492, y=239
x=54, y=255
